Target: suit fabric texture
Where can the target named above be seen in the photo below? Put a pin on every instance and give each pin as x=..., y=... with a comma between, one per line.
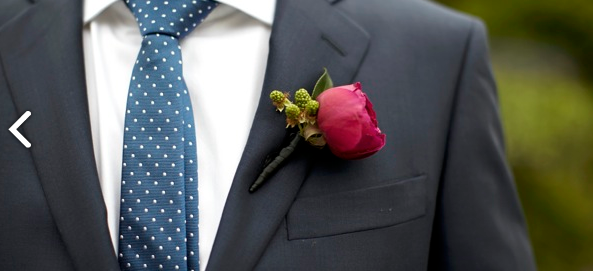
x=439, y=196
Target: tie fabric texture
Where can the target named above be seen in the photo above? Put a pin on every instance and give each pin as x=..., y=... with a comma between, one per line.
x=159, y=189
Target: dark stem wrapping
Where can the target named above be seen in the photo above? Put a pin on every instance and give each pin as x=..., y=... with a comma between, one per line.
x=275, y=164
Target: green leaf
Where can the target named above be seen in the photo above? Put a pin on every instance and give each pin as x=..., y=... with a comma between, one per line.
x=324, y=83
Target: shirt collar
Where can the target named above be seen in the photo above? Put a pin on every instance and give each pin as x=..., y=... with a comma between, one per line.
x=262, y=10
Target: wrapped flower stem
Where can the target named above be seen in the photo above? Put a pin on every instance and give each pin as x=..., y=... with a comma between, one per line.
x=271, y=168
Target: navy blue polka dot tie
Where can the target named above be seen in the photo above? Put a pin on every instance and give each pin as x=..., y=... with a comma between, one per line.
x=159, y=189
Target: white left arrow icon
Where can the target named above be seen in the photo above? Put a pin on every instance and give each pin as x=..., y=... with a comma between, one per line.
x=16, y=125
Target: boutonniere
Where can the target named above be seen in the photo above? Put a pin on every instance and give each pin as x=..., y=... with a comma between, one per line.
x=341, y=118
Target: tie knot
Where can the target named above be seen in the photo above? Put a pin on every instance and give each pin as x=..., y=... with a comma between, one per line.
x=175, y=17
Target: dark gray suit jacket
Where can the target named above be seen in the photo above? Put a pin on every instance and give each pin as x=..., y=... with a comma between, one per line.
x=438, y=196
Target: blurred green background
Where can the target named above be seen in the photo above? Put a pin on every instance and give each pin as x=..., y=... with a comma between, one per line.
x=542, y=54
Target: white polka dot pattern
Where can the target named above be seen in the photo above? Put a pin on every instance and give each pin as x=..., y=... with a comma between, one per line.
x=159, y=195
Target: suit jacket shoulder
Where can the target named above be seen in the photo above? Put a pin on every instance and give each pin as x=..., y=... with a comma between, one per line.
x=414, y=15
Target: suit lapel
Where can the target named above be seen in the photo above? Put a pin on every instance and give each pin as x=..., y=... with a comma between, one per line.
x=307, y=35
x=41, y=51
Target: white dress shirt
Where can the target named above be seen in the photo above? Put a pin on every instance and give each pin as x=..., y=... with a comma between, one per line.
x=224, y=61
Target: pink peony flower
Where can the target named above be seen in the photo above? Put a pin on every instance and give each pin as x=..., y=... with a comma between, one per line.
x=348, y=122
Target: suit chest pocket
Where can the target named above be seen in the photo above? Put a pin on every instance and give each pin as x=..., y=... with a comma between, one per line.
x=365, y=209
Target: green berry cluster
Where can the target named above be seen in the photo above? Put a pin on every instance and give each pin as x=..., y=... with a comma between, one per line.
x=301, y=98
x=277, y=96
x=292, y=111
x=279, y=99
x=303, y=111
x=312, y=107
